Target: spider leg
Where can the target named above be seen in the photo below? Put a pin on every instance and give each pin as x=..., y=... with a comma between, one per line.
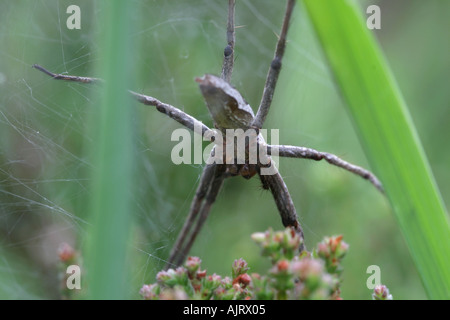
x=167, y=109
x=210, y=183
x=210, y=198
x=272, y=180
x=228, y=53
x=202, y=189
x=308, y=153
x=274, y=71
x=284, y=203
x=66, y=77
x=176, y=114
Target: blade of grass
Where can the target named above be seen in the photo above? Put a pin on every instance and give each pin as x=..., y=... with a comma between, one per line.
x=112, y=173
x=388, y=137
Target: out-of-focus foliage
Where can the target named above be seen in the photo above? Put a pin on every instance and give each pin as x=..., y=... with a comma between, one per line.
x=312, y=275
x=388, y=136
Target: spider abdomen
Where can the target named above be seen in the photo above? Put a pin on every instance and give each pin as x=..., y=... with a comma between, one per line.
x=226, y=105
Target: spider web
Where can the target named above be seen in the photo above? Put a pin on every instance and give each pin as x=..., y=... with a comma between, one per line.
x=44, y=133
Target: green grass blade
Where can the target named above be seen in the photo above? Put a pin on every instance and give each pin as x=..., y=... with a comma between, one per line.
x=111, y=187
x=388, y=137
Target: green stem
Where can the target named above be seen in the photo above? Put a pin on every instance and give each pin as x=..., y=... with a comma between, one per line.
x=388, y=137
x=111, y=186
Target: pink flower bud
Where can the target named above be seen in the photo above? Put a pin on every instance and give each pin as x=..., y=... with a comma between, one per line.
x=381, y=292
x=66, y=253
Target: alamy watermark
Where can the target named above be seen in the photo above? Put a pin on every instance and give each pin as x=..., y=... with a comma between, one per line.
x=374, y=20
x=73, y=280
x=231, y=146
x=74, y=20
x=375, y=276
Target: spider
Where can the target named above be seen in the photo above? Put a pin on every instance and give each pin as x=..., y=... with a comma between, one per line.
x=230, y=111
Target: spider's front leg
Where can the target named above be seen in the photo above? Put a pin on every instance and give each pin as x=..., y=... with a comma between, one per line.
x=165, y=108
x=228, y=53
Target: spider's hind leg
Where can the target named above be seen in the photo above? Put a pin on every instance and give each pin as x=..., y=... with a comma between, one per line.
x=210, y=184
x=285, y=205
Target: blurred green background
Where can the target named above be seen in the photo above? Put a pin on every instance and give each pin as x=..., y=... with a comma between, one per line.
x=45, y=136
